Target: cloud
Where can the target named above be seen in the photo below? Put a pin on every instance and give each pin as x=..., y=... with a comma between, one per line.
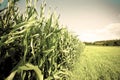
x=111, y=31
x=114, y=29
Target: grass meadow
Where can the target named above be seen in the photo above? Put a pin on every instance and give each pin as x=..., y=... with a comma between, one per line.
x=98, y=63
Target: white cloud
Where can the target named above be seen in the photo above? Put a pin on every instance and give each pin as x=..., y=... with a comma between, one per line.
x=111, y=31
x=114, y=29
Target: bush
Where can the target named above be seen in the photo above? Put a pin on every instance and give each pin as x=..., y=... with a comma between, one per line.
x=33, y=46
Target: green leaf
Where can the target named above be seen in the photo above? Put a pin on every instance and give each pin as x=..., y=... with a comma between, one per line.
x=29, y=66
x=11, y=76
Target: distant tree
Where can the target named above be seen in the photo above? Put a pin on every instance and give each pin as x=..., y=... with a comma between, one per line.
x=108, y=43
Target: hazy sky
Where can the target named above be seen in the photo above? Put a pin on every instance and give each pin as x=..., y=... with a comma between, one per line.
x=90, y=19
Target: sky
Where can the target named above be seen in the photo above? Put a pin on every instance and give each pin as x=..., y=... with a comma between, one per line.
x=3, y=4
x=91, y=20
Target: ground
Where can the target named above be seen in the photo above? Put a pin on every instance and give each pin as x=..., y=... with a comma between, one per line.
x=98, y=63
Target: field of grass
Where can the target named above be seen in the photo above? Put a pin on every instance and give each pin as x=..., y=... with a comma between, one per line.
x=98, y=63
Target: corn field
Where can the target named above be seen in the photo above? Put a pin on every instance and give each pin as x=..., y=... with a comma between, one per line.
x=34, y=46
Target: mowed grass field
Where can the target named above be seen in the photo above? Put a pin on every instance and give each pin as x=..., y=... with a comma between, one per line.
x=98, y=63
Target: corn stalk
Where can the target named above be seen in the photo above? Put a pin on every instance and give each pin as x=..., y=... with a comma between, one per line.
x=38, y=47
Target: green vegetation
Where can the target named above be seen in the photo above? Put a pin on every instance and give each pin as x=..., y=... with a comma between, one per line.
x=105, y=43
x=108, y=43
x=98, y=63
x=35, y=47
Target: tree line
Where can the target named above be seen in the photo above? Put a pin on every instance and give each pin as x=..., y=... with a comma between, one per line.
x=105, y=43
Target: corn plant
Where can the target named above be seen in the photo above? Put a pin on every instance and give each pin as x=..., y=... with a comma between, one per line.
x=35, y=47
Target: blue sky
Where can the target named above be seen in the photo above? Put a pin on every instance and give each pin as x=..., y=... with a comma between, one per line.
x=91, y=20
x=3, y=4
